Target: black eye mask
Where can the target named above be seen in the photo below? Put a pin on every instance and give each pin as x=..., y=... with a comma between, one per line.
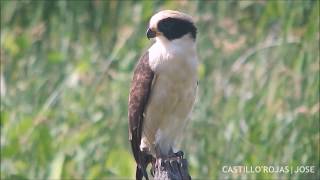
x=173, y=28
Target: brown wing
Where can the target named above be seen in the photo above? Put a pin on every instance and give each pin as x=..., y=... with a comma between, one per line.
x=138, y=99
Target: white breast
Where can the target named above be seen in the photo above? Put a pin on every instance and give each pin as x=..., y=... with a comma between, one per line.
x=172, y=96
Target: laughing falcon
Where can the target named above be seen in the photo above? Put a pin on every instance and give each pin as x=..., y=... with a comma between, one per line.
x=163, y=88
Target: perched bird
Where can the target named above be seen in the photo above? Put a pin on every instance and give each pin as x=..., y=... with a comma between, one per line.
x=163, y=88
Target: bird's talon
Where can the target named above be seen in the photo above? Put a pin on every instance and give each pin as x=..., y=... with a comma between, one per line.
x=179, y=154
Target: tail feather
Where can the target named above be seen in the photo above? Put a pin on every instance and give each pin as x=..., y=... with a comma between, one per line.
x=139, y=173
x=142, y=160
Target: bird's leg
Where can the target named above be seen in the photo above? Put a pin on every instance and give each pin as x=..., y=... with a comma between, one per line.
x=158, y=152
x=171, y=153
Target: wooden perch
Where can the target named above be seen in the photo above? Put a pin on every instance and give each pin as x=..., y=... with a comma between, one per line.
x=173, y=168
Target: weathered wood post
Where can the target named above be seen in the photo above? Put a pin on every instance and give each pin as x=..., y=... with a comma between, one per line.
x=173, y=168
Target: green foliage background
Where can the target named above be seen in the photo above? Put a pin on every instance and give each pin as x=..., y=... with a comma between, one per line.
x=66, y=68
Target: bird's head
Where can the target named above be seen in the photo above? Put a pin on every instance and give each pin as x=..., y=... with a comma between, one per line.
x=171, y=25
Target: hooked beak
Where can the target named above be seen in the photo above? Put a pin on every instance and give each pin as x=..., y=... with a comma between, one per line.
x=151, y=33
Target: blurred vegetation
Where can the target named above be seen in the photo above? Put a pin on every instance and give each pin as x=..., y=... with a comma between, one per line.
x=66, y=68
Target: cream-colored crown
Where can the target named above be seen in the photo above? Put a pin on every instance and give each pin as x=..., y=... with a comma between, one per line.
x=165, y=14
